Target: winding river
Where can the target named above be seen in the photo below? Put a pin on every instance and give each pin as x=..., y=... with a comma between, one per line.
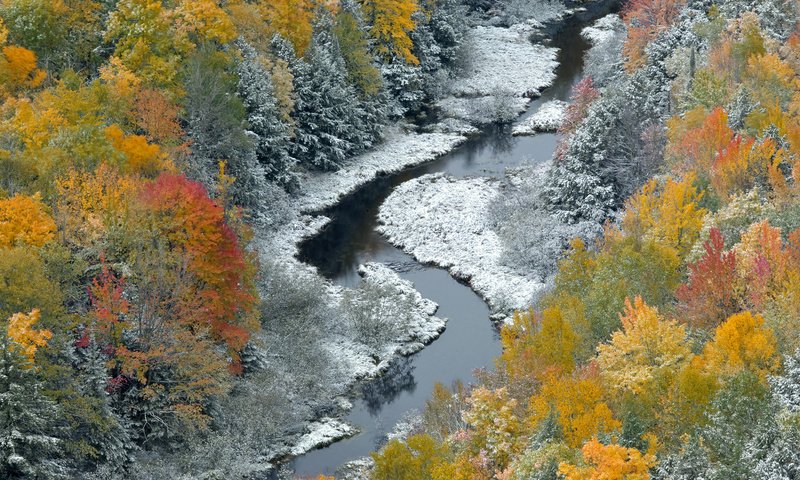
x=470, y=341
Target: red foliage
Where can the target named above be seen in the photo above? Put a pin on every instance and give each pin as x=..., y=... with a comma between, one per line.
x=645, y=19
x=210, y=252
x=709, y=297
x=582, y=96
x=108, y=308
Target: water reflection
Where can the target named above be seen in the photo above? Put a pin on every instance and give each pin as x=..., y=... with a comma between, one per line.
x=383, y=390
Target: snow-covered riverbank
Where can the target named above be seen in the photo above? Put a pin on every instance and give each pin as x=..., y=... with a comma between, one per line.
x=446, y=222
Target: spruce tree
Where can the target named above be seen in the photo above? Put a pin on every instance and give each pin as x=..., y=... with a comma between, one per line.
x=29, y=438
x=327, y=110
x=271, y=134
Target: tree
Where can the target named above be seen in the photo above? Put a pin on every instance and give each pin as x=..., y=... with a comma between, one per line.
x=24, y=337
x=710, y=294
x=609, y=462
x=29, y=434
x=577, y=403
x=494, y=426
x=24, y=221
x=742, y=342
x=671, y=216
x=354, y=45
x=413, y=459
x=645, y=351
x=646, y=19
x=18, y=70
x=258, y=95
x=326, y=107
x=391, y=21
x=146, y=42
x=291, y=19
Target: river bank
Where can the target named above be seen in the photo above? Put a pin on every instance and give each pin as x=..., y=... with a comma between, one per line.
x=403, y=149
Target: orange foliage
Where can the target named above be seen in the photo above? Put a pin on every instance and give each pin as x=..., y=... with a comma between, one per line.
x=157, y=116
x=24, y=220
x=696, y=139
x=646, y=19
x=577, y=402
x=609, y=462
x=742, y=342
x=142, y=157
x=197, y=233
x=18, y=69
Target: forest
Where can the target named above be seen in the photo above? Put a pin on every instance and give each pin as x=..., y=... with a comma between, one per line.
x=160, y=161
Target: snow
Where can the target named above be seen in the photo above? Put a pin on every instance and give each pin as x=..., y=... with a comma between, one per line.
x=321, y=433
x=604, y=29
x=504, y=59
x=548, y=118
x=401, y=150
x=442, y=220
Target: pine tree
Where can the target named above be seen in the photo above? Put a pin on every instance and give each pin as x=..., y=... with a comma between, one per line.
x=272, y=135
x=108, y=435
x=327, y=111
x=29, y=438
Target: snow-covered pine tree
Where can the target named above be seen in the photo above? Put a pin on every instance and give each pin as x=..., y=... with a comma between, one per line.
x=272, y=135
x=216, y=119
x=327, y=110
x=109, y=435
x=29, y=433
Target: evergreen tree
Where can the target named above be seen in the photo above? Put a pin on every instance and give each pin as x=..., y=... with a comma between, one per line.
x=29, y=438
x=216, y=119
x=327, y=110
x=108, y=435
x=272, y=135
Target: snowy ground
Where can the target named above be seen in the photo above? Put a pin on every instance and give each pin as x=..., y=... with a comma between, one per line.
x=505, y=71
x=548, y=118
x=444, y=221
x=504, y=59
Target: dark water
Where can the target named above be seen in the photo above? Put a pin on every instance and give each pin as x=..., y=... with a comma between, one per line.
x=470, y=341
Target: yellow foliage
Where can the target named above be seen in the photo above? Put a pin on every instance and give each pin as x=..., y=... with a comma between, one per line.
x=532, y=343
x=670, y=215
x=391, y=22
x=21, y=332
x=609, y=462
x=24, y=220
x=143, y=158
x=577, y=400
x=742, y=342
x=494, y=426
x=122, y=82
x=90, y=204
x=18, y=69
x=290, y=18
x=647, y=348
x=204, y=21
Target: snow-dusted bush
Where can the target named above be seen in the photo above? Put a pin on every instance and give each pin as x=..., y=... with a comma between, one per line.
x=504, y=106
x=533, y=238
x=375, y=313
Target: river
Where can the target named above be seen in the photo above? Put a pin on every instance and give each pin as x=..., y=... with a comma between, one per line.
x=470, y=340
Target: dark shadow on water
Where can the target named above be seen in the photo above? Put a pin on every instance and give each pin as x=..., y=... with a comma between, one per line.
x=385, y=389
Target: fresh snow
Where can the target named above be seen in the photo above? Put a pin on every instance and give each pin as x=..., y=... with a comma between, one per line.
x=504, y=59
x=548, y=118
x=444, y=221
x=321, y=433
x=604, y=29
x=506, y=70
